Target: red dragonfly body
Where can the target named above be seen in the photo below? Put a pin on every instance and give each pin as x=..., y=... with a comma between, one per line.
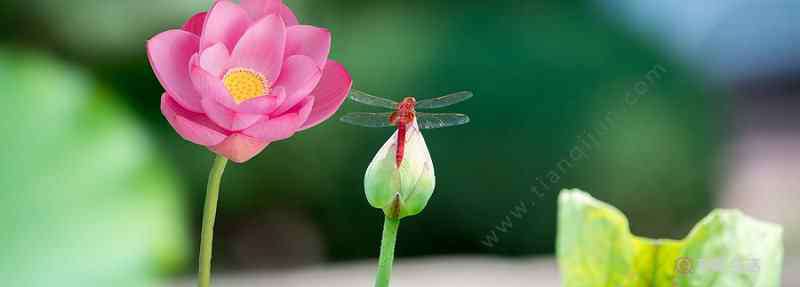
x=402, y=118
x=404, y=115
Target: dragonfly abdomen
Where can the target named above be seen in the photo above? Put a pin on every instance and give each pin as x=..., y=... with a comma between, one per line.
x=402, y=118
x=401, y=144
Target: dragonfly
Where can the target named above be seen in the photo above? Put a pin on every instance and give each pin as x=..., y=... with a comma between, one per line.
x=405, y=112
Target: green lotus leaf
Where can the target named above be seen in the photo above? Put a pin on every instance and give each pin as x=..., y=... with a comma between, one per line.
x=726, y=249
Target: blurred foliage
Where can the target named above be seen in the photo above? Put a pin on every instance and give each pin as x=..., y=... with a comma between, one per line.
x=727, y=248
x=85, y=201
x=544, y=72
x=98, y=30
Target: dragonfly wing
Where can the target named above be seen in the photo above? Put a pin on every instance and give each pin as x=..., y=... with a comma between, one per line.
x=435, y=121
x=370, y=120
x=371, y=100
x=444, y=101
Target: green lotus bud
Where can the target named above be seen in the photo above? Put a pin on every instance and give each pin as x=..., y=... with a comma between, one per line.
x=403, y=190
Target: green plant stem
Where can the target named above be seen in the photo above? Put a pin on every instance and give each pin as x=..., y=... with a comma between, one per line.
x=209, y=214
x=384, y=274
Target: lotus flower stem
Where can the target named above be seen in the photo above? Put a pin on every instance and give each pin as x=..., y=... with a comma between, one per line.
x=209, y=214
x=390, y=226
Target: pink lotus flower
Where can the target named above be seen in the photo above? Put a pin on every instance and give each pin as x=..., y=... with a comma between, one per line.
x=242, y=76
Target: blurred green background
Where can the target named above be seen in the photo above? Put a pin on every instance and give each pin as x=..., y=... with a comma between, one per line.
x=94, y=178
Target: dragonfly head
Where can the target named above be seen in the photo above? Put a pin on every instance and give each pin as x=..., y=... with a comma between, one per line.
x=408, y=103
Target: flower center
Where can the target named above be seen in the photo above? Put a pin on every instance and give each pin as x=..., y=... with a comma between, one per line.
x=244, y=84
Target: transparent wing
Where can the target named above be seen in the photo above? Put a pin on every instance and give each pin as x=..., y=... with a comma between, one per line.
x=370, y=120
x=371, y=100
x=444, y=101
x=435, y=121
